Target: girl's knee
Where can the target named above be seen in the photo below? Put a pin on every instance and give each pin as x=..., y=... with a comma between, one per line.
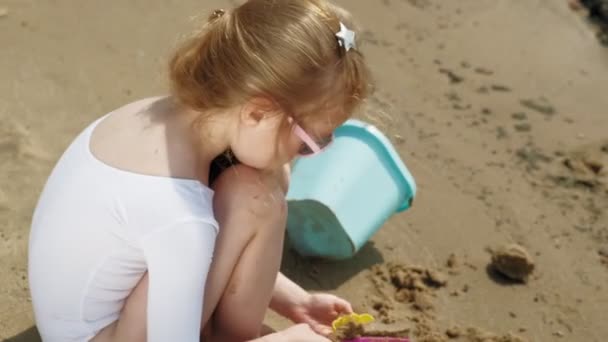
x=260, y=194
x=242, y=176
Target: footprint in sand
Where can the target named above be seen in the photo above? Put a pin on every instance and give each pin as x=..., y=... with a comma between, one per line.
x=4, y=201
x=583, y=168
x=10, y=139
x=16, y=143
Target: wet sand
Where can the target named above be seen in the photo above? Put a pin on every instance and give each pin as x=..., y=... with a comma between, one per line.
x=498, y=108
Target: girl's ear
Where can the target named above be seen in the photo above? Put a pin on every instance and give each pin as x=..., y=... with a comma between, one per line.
x=256, y=110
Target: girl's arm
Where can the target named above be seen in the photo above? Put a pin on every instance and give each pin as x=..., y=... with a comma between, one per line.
x=178, y=257
x=317, y=310
x=287, y=295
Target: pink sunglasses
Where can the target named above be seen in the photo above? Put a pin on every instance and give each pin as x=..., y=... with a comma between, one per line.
x=310, y=147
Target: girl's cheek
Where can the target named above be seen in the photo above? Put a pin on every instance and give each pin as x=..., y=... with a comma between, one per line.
x=293, y=145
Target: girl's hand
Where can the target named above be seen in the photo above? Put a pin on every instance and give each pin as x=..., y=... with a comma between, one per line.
x=319, y=311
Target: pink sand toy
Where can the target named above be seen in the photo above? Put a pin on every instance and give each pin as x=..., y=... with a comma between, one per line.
x=379, y=339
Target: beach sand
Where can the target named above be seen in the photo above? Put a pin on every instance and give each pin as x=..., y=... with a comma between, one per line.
x=499, y=109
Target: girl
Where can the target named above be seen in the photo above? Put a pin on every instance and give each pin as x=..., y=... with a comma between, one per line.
x=141, y=233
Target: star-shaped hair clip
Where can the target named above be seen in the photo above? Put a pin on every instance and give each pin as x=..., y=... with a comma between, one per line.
x=346, y=38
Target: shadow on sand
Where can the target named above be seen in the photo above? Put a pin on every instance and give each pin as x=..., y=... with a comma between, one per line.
x=29, y=335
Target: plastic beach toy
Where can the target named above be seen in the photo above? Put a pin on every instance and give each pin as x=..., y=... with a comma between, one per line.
x=379, y=339
x=354, y=318
x=339, y=198
x=363, y=319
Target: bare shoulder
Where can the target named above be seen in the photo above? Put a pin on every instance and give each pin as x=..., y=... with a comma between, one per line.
x=134, y=138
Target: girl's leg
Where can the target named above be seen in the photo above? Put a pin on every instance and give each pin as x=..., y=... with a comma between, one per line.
x=252, y=212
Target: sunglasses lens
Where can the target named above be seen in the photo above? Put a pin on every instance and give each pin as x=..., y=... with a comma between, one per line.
x=306, y=150
x=326, y=141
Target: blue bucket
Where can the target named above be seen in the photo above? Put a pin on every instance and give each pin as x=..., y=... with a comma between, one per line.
x=339, y=198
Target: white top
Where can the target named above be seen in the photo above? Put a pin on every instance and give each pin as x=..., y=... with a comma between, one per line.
x=96, y=230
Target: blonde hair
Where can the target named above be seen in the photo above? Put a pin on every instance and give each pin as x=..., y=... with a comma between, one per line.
x=282, y=49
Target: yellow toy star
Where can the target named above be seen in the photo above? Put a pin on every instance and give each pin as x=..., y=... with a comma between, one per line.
x=354, y=318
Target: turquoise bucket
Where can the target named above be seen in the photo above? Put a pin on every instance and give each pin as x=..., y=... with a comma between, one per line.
x=339, y=198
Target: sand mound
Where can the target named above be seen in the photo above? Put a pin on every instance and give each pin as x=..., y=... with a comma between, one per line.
x=414, y=289
x=348, y=332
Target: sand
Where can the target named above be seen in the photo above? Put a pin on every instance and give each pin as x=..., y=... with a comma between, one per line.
x=498, y=107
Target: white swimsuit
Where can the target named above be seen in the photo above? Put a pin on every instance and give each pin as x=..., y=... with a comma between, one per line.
x=97, y=230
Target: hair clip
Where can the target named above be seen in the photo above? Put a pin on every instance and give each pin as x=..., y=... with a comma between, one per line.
x=218, y=13
x=346, y=38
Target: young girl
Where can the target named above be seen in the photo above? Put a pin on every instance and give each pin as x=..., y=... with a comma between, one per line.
x=141, y=233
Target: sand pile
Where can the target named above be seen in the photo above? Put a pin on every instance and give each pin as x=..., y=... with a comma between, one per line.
x=478, y=335
x=414, y=289
x=347, y=332
x=411, y=285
